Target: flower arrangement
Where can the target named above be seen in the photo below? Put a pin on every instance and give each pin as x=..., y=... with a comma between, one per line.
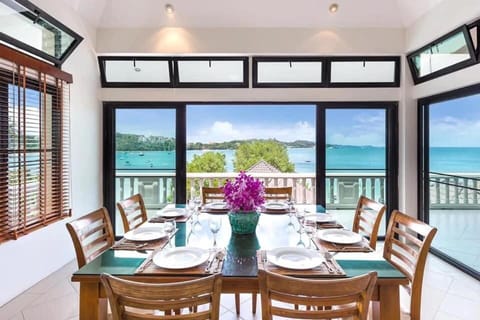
x=245, y=193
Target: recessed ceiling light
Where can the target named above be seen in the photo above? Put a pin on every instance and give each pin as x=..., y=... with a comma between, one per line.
x=333, y=8
x=169, y=8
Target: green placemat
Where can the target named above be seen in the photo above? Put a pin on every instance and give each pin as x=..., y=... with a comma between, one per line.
x=357, y=267
x=112, y=262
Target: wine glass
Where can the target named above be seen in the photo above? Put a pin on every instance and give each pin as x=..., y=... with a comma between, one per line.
x=169, y=226
x=215, y=223
x=291, y=212
x=310, y=227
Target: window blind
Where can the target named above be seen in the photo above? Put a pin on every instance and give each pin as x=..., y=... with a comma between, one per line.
x=34, y=144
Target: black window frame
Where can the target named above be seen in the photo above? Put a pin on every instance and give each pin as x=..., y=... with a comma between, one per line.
x=244, y=84
x=106, y=84
x=257, y=59
x=396, y=76
x=423, y=160
x=454, y=67
x=77, y=39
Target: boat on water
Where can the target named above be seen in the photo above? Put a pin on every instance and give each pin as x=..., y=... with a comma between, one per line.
x=141, y=154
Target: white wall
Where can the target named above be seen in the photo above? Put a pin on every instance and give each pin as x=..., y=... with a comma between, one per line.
x=31, y=258
x=447, y=16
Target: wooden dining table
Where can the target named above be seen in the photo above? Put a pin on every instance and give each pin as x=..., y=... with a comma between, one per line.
x=240, y=266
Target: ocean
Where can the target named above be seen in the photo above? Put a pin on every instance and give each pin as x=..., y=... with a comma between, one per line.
x=339, y=158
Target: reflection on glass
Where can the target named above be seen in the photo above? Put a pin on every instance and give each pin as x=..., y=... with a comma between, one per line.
x=137, y=70
x=442, y=55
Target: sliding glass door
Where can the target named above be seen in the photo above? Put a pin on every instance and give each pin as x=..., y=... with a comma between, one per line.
x=450, y=175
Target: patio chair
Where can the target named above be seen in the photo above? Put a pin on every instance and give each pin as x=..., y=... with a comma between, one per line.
x=133, y=212
x=297, y=298
x=278, y=193
x=368, y=216
x=210, y=194
x=91, y=234
x=407, y=244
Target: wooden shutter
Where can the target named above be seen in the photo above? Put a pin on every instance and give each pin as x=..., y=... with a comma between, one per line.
x=34, y=144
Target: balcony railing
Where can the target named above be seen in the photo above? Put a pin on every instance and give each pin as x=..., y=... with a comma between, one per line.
x=343, y=189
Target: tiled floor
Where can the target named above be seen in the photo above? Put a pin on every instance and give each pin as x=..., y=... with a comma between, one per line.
x=447, y=294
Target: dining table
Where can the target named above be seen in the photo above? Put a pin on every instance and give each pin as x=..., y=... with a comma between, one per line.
x=242, y=256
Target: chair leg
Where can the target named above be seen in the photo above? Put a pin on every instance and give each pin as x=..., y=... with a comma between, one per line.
x=237, y=303
x=254, y=303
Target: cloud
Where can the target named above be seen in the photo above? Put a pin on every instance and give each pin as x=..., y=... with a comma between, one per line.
x=454, y=132
x=226, y=131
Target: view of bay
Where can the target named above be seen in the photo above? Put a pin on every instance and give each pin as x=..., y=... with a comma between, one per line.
x=355, y=158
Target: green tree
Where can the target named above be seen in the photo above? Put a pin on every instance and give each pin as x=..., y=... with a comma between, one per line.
x=208, y=162
x=271, y=151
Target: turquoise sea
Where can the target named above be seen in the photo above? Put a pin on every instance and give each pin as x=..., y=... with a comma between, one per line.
x=339, y=158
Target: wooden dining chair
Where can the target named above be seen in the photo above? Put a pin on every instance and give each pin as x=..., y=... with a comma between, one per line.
x=368, y=216
x=91, y=234
x=193, y=299
x=298, y=298
x=133, y=212
x=278, y=193
x=407, y=243
x=211, y=194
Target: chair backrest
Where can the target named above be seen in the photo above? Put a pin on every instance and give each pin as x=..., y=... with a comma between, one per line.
x=406, y=247
x=210, y=194
x=297, y=298
x=91, y=235
x=193, y=299
x=368, y=216
x=133, y=212
x=278, y=193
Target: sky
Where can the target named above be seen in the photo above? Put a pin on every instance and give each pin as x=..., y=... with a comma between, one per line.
x=217, y=123
x=452, y=123
x=455, y=123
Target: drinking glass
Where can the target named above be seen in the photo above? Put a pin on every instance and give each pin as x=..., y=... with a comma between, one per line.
x=291, y=212
x=169, y=226
x=310, y=227
x=215, y=223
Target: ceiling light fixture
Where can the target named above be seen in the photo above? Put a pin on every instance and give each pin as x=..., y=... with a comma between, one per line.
x=333, y=8
x=169, y=8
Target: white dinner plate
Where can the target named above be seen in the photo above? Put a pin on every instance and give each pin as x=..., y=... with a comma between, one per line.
x=324, y=217
x=145, y=234
x=295, y=258
x=172, y=212
x=339, y=236
x=281, y=206
x=216, y=206
x=180, y=257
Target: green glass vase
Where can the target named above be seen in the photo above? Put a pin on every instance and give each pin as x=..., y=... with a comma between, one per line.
x=243, y=222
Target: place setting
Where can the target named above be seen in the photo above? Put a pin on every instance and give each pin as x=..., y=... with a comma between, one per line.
x=276, y=207
x=179, y=214
x=147, y=238
x=218, y=207
x=298, y=261
x=341, y=240
x=183, y=261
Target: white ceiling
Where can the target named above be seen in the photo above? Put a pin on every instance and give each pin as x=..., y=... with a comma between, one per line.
x=252, y=13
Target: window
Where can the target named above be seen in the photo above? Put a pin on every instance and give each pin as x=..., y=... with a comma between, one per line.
x=288, y=72
x=34, y=138
x=220, y=72
x=29, y=28
x=447, y=54
x=365, y=72
x=449, y=179
x=135, y=72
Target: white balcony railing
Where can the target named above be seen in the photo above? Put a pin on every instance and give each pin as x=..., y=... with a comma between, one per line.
x=343, y=189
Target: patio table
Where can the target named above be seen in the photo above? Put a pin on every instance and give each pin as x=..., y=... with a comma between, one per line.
x=240, y=266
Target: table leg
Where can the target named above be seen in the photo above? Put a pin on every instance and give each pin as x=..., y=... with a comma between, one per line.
x=389, y=302
x=90, y=306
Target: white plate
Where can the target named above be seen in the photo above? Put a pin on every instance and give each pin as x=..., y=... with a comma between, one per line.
x=180, y=257
x=145, y=234
x=339, y=236
x=216, y=206
x=295, y=258
x=281, y=206
x=172, y=212
x=324, y=217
